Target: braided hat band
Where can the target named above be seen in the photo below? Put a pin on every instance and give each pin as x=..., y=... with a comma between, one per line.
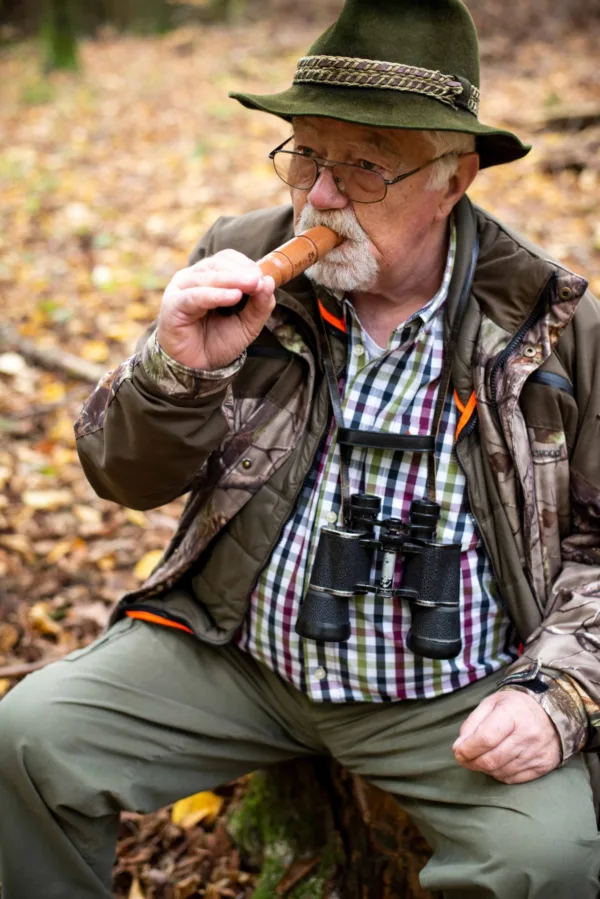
x=350, y=71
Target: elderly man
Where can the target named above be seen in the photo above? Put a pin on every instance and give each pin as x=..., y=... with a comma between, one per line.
x=432, y=357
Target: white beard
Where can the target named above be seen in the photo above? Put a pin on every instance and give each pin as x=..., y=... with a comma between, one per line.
x=346, y=268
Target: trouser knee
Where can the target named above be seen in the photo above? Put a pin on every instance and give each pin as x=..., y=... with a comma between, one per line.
x=534, y=859
x=35, y=738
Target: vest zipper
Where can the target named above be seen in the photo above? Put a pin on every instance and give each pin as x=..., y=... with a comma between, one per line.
x=532, y=319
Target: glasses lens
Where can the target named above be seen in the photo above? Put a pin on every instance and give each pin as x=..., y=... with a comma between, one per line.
x=296, y=170
x=359, y=184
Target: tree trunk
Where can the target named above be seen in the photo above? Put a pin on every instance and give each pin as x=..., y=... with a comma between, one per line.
x=141, y=16
x=59, y=36
x=317, y=832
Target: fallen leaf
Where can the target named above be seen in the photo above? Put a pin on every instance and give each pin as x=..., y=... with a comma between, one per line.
x=297, y=871
x=53, y=392
x=95, y=351
x=199, y=807
x=19, y=544
x=9, y=636
x=40, y=619
x=147, y=564
x=59, y=551
x=136, y=891
x=102, y=277
x=136, y=517
x=212, y=891
x=12, y=364
x=88, y=514
x=47, y=499
x=62, y=431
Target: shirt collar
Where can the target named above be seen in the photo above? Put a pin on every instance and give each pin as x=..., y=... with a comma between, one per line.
x=427, y=312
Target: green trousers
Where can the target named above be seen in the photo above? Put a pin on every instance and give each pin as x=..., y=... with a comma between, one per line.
x=146, y=715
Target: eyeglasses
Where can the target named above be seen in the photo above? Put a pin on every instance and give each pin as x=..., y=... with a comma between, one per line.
x=359, y=185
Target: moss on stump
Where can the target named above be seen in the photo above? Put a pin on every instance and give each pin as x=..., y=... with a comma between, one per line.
x=314, y=831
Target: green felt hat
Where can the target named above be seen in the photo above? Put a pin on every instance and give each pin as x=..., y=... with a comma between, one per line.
x=395, y=64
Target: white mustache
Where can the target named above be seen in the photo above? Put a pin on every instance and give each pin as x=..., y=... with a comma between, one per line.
x=342, y=221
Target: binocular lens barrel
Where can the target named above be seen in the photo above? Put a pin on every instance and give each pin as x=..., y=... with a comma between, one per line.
x=341, y=562
x=424, y=517
x=432, y=583
x=364, y=506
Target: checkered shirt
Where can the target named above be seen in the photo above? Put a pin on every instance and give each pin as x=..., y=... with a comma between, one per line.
x=392, y=390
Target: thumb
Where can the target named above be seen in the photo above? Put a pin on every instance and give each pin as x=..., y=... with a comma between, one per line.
x=477, y=716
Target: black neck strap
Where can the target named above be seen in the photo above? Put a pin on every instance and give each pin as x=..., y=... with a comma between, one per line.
x=349, y=437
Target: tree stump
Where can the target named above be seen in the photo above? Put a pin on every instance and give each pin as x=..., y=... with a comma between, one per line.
x=316, y=831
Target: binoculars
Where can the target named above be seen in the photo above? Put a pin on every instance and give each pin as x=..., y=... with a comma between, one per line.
x=430, y=576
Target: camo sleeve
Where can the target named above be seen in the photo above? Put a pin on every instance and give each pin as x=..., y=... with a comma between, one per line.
x=150, y=425
x=174, y=379
x=562, y=700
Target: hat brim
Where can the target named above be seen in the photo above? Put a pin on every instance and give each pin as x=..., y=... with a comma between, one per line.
x=388, y=109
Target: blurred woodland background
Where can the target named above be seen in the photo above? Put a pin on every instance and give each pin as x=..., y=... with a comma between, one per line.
x=118, y=148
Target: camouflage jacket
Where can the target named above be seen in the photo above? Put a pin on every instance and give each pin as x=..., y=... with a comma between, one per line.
x=241, y=442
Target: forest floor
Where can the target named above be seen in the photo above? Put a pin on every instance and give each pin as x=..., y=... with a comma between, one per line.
x=107, y=179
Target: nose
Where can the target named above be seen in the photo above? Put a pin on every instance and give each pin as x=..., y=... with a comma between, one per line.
x=324, y=193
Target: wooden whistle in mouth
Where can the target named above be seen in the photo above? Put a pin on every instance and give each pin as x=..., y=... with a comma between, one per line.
x=292, y=258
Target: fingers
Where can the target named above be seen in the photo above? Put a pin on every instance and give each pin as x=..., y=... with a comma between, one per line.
x=193, y=293
x=243, y=278
x=485, y=707
x=510, y=737
x=492, y=726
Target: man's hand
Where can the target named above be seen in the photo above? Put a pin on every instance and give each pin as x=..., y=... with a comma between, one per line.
x=510, y=737
x=189, y=330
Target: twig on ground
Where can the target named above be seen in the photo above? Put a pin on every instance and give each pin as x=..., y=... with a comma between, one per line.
x=51, y=357
x=13, y=671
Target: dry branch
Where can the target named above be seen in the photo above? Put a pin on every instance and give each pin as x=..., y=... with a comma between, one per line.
x=13, y=671
x=51, y=357
x=559, y=117
x=569, y=117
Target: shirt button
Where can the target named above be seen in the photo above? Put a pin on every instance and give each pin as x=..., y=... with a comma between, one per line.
x=358, y=350
x=320, y=673
x=331, y=517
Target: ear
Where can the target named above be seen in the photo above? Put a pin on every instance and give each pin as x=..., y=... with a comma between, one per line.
x=466, y=171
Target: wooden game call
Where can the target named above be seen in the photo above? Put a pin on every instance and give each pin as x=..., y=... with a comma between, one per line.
x=292, y=258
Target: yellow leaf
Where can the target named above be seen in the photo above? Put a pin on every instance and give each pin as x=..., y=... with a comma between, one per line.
x=147, y=564
x=4, y=685
x=124, y=331
x=136, y=891
x=47, y=499
x=200, y=807
x=59, y=551
x=62, y=431
x=41, y=621
x=17, y=543
x=95, y=351
x=134, y=516
x=53, y=392
x=87, y=514
x=9, y=637
x=137, y=311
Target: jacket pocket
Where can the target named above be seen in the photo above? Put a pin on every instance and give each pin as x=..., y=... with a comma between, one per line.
x=550, y=462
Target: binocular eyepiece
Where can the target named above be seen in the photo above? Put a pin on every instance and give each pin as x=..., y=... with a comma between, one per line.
x=430, y=577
